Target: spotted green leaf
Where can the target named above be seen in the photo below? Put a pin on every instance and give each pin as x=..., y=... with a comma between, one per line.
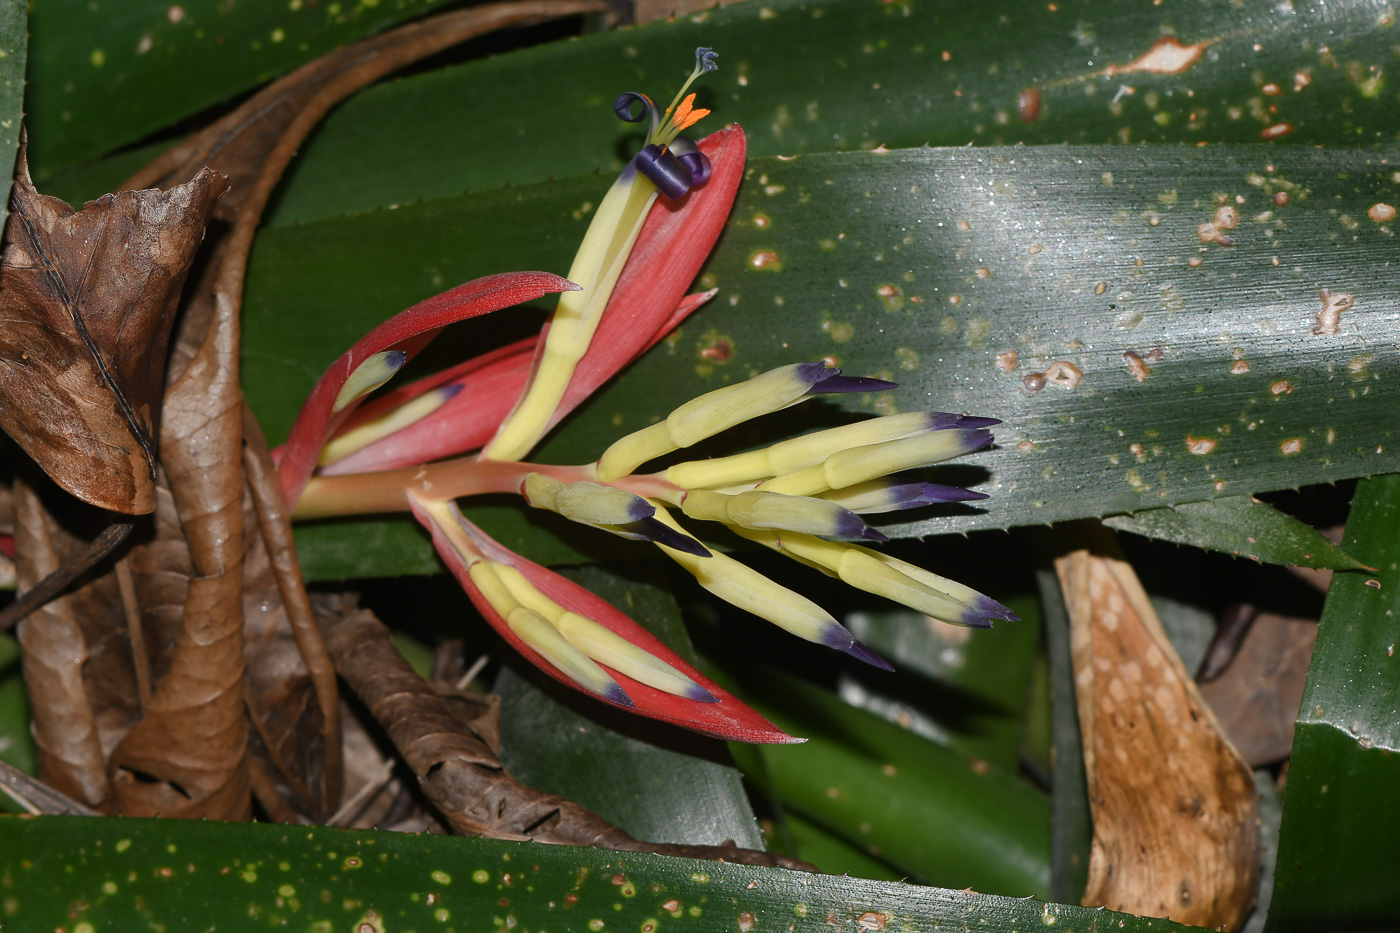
x=79, y=873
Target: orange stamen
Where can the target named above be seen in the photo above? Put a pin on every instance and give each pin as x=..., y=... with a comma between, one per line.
x=686, y=116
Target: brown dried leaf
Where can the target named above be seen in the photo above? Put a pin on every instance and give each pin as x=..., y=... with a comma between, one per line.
x=1175, y=813
x=292, y=693
x=280, y=696
x=457, y=770
x=88, y=300
x=63, y=662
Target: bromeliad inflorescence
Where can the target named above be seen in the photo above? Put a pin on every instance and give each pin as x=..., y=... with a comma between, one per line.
x=803, y=497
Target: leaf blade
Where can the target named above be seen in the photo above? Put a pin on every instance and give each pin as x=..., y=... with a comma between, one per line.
x=1242, y=526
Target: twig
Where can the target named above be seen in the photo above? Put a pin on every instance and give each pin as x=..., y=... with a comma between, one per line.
x=37, y=797
x=55, y=583
x=131, y=608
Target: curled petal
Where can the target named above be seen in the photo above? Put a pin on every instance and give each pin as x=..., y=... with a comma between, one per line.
x=665, y=171
x=726, y=717
x=409, y=331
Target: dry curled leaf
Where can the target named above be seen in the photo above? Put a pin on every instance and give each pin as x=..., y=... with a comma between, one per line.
x=1175, y=812
x=77, y=658
x=87, y=300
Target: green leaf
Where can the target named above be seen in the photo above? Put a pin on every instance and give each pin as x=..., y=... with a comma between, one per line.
x=124, y=873
x=807, y=77
x=16, y=741
x=14, y=41
x=107, y=74
x=1336, y=866
x=657, y=783
x=1071, y=826
x=1242, y=526
x=939, y=816
x=965, y=687
x=833, y=854
x=861, y=258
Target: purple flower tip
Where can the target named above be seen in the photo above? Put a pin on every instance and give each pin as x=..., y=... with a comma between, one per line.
x=834, y=382
x=976, y=439
x=938, y=492
x=616, y=694
x=450, y=390
x=850, y=525
x=942, y=421
x=654, y=530
x=994, y=610
x=862, y=653
x=700, y=695
x=395, y=359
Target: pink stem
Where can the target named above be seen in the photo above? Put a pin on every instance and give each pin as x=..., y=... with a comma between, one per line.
x=389, y=490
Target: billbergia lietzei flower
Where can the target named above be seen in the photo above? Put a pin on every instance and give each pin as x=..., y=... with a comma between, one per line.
x=804, y=497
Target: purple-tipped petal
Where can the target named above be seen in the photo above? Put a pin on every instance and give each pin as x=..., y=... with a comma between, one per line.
x=700, y=695
x=938, y=492
x=850, y=525
x=698, y=164
x=862, y=653
x=975, y=440
x=619, y=696
x=992, y=609
x=836, y=383
x=664, y=170
x=840, y=638
x=655, y=530
x=942, y=421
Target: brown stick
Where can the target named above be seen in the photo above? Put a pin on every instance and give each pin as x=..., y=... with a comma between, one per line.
x=131, y=608
x=36, y=796
x=41, y=593
x=276, y=527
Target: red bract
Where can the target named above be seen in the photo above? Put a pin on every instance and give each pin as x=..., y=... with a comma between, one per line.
x=410, y=331
x=648, y=302
x=727, y=718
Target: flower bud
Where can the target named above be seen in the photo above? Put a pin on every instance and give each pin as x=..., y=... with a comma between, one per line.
x=724, y=408
x=849, y=467
x=764, y=510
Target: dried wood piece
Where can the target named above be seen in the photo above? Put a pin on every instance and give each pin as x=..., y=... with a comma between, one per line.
x=1256, y=697
x=1175, y=812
